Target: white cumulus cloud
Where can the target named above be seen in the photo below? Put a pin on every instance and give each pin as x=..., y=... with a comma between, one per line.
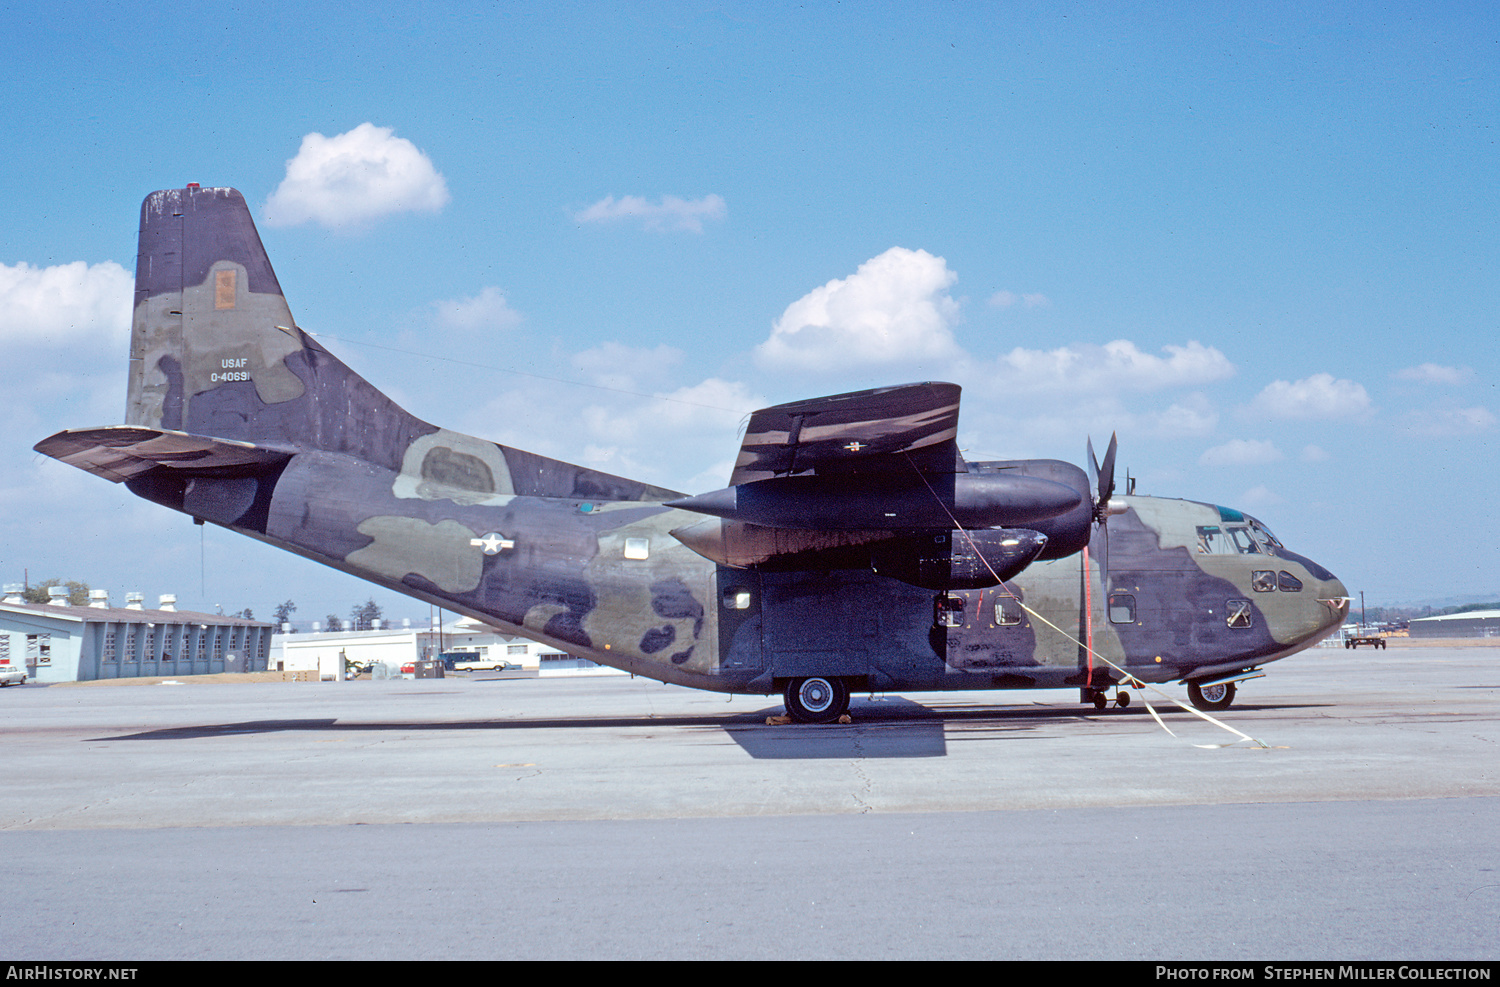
x=65, y=304
x=1116, y=366
x=671, y=213
x=1007, y=299
x=488, y=310
x=1193, y=416
x=1449, y=421
x=628, y=368
x=1242, y=452
x=355, y=177
x=894, y=308
x=1261, y=496
x=1320, y=396
x=1435, y=373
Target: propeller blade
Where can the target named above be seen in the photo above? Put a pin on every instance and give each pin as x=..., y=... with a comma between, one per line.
x=1102, y=478
x=1107, y=472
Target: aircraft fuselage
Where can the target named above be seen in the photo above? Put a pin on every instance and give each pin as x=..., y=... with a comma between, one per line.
x=1190, y=594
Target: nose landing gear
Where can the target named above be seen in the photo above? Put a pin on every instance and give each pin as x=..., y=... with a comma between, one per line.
x=1100, y=698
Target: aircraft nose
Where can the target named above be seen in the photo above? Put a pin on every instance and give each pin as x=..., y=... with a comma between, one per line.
x=1335, y=600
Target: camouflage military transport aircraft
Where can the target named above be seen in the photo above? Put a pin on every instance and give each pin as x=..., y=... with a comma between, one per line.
x=853, y=550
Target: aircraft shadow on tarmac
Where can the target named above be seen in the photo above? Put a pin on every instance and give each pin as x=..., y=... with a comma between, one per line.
x=886, y=727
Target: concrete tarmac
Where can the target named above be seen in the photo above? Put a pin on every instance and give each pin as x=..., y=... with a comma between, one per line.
x=608, y=817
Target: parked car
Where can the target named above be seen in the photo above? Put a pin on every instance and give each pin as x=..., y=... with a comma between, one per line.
x=11, y=674
x=483, y=665
x=470, y=661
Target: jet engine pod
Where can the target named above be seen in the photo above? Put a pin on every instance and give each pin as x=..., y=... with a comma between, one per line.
x=944, y=560
x=899, y=503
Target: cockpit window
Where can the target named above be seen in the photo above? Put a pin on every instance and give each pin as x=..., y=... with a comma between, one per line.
x=1264, y=536
x=1243, y=542
x=1234, y=539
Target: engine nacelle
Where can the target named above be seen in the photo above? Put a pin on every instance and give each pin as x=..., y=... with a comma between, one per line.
x=947, y=560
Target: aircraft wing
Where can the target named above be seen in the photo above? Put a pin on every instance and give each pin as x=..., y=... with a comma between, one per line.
x=877, y=431
x=124, y=452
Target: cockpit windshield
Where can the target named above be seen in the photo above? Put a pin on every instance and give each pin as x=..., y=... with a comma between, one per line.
x=1264, y=536
x=1236, y=539
x=1238, y=534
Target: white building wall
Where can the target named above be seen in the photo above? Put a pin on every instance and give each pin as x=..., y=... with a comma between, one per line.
x=329, y=651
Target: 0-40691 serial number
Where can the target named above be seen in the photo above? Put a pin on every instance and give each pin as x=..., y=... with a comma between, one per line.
x=234, y=373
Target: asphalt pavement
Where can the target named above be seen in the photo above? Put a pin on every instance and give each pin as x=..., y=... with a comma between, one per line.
x=607, y=817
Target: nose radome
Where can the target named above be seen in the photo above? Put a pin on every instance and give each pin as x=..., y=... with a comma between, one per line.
x=1335, y=599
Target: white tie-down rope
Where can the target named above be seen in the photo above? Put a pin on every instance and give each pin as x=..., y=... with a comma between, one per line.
x=1128, y=678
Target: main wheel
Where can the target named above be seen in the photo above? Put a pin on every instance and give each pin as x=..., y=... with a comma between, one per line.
x=1211, y=698
x=816, y=699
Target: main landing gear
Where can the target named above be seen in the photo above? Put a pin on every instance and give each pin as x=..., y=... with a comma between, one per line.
x=816, y=699
x=1211, y=698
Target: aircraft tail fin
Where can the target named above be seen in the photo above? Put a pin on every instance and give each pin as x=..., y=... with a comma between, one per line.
x=214, y=350
x=215, y=354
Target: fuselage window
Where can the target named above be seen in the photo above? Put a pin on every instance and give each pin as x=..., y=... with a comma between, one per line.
x=1210, y=540
x=736, y=598
x=1263, y=581
x=948, y=611
x=1288, y=583
x=637, y=548
x=1121, y=608
x=1239, y=613
x=1007, y=611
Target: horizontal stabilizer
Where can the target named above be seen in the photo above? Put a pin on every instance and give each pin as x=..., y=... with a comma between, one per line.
x=125, y=452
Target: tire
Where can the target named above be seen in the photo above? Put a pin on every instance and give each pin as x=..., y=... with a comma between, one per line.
x=1211, y=698
x=816, y=699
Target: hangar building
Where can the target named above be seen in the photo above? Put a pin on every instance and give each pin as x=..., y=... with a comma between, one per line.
x=1475, y=623
x=62, y=643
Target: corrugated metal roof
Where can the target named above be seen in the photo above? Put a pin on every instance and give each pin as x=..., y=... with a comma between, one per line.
x=1470, y=615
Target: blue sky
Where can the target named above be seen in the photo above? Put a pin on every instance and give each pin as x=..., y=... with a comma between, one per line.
x=1258, y=241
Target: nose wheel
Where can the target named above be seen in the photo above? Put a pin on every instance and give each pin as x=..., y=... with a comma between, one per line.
x=1100, y=698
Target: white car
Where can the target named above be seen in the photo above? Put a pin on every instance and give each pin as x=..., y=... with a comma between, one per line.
x=481, y=665
x=11, y=674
